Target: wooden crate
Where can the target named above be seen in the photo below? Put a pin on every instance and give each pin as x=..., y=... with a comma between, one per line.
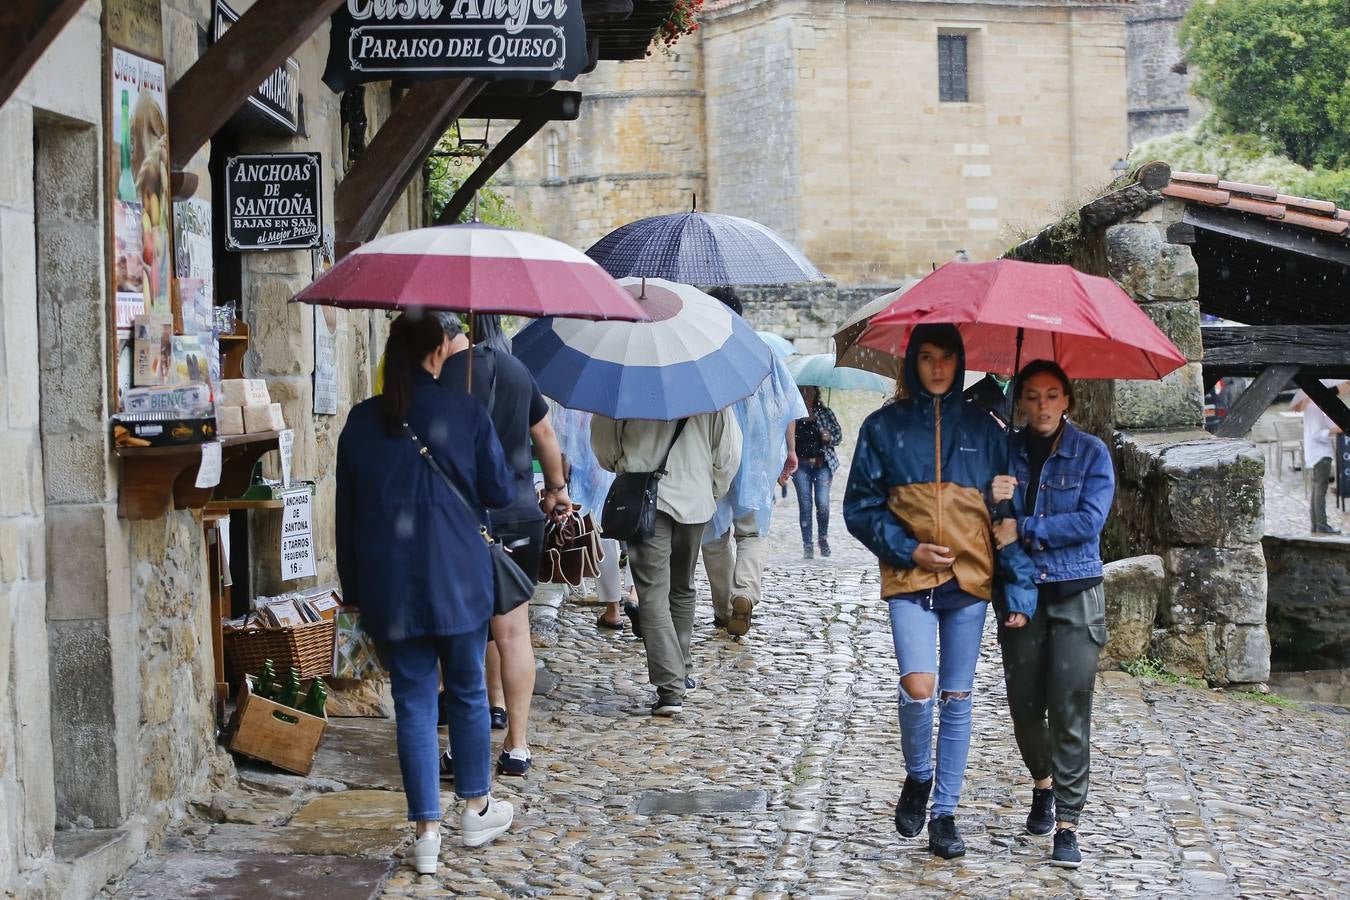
x=276, y=734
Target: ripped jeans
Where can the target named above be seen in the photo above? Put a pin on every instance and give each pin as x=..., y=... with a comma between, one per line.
x=918, y=633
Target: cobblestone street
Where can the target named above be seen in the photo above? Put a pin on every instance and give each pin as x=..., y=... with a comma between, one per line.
x=781, y=776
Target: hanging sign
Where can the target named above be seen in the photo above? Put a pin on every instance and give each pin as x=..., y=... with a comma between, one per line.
x=376, y=40
x=273, y=202
x=274, y=107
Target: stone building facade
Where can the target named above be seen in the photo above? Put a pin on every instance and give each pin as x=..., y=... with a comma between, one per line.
x=824, y=121
x=107, y=721
x=1160, y=100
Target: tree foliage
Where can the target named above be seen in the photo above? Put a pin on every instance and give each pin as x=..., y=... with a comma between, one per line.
x=1279, y=69
x=442, y=176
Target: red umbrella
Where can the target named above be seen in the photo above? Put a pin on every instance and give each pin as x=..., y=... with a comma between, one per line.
x=474, y=269
x=1008, y=311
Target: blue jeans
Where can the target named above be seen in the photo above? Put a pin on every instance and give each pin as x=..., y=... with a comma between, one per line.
x=917, y=633
x=812, y=481
x=416, y=667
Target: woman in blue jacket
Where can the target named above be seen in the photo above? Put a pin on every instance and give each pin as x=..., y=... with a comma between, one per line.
x=1065, y=483
x=918, y=498
x=412, y=558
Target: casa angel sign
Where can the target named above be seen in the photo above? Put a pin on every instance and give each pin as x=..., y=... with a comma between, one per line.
x=379, y=40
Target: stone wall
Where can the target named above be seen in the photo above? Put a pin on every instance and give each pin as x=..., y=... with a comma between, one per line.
x=106, y=683
x=1309, y=612
x=1160, y=100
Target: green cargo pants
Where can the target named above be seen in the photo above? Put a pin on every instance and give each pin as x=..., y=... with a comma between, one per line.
x=1050, y=666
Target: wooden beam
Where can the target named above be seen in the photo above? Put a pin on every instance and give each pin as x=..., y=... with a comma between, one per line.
x=372, y=186
x=1237, y=351
x=225, y=75
x=1256, y=399
x=27, y=29
x=1327, y=399
x=1261, y=230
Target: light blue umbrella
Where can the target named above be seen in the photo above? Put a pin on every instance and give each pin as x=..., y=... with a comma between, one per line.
x=819, y=369
x=777, y=343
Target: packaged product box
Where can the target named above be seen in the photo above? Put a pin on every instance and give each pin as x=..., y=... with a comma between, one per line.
x=230, y=419
x=190, y=362
x=161, y=429
x=263, y=418
x=152, y=350
x=244, y=392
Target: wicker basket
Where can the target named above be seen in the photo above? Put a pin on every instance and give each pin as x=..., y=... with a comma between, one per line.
x=307, y=647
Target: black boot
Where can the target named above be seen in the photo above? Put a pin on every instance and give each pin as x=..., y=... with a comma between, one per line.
x=912, y=807
x=1041, y=819
x=943, y=838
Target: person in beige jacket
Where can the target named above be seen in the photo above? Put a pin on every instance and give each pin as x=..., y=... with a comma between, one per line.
x=702, y=464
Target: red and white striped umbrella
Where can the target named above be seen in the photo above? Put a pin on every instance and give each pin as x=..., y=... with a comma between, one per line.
x=475, y=269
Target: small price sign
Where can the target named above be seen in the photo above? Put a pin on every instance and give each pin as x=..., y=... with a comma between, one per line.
x=297, y=539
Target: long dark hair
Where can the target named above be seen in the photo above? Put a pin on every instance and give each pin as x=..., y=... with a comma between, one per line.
x=412, y=336
x=1042, y=367
x=487, y=332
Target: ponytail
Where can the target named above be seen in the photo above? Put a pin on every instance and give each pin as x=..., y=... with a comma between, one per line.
x=412, y=337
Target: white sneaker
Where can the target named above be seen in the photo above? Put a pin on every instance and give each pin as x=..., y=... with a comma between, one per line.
x=481, y=827
x=426, y=853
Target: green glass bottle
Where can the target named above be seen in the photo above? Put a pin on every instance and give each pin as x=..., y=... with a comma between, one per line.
x=290, y=694
x=265, y=685
x=126, y=182
x=316, y=699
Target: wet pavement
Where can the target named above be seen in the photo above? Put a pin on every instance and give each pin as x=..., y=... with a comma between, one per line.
x=780, y=779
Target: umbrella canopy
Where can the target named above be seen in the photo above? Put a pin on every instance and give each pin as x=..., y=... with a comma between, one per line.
x=846, y=348
x=1087, y=324
x=694, y=356
x=702, y=248
x=475, y=269
x=819, y=369
x=778, y=344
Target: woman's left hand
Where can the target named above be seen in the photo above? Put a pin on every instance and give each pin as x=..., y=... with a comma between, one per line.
x=556, y=504
x=1015, y=620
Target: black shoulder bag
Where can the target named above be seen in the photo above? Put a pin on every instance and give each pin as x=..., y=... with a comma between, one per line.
x=510, y=585
x=630, y=505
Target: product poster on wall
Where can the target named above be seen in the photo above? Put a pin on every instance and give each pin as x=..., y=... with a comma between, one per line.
x=140, y=187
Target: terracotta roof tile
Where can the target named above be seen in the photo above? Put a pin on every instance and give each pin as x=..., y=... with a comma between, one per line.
x=1195, y=178
x=1208, y=196
x=1259, y=200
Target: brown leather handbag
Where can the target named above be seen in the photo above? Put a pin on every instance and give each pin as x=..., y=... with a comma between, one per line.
x=572, y=549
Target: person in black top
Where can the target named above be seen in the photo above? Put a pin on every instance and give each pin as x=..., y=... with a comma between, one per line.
x=519, y=415
x=817, y=436
x=1050, y=665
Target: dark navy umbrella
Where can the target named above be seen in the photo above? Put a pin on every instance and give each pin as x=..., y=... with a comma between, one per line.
x=703, y=249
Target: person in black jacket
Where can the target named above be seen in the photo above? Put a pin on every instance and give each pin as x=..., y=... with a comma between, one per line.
x=411, y=557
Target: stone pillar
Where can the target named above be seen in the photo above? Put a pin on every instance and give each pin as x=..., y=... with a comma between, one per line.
x=1196, y=501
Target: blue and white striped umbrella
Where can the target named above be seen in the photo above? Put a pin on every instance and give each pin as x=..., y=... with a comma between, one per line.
x=702, y=248
x=695, y=356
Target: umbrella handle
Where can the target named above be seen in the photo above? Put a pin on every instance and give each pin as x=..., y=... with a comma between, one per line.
x=1004, y=508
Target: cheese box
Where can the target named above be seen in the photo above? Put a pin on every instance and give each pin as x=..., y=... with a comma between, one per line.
x=244, y=392
x=263, y=418
x=230, y=419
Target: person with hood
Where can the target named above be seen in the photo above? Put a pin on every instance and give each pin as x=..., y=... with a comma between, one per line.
x=918, y=497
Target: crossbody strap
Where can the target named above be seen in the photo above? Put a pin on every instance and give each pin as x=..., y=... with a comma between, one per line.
x=436, y=467
x=679, y=428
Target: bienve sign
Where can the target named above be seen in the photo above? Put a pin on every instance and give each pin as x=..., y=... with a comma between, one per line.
x=273, y=202
x=374, y=40
x=275, y=106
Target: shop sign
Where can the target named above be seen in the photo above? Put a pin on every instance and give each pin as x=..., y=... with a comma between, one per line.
x=274, y=107
x=273, y=202
x=297, y=535
x=378, y=40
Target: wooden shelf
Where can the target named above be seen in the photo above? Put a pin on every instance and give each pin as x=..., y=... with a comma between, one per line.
x=233, y=347
x=157, y=479
x=227, y=506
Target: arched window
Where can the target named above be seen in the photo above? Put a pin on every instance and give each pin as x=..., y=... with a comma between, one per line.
x=552, y=156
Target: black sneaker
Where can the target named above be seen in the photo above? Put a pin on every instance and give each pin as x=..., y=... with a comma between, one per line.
x=634, y=614
x=498, y=716
x=447, y=767
x=690, y=683
x=1066, y=853
x=912, y=807
x=943, y=838
x=1041, y=819
x=824, y=547
x=513, y=762
x=667, y=708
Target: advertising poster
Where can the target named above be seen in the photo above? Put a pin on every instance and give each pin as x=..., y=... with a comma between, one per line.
x=140, y=188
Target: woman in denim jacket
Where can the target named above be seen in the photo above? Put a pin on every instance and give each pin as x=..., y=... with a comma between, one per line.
x=1065, y=480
